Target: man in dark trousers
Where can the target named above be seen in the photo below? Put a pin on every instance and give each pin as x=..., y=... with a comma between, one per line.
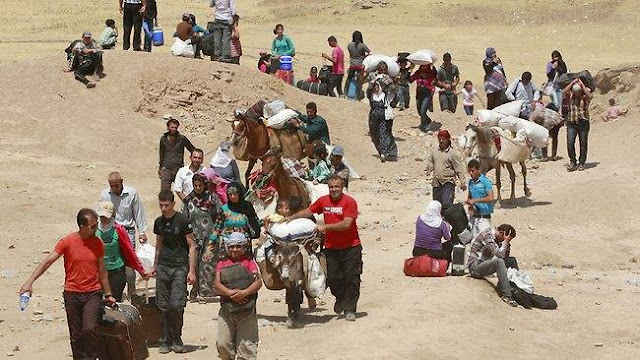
x=151, y=19
x=172, y=145
x=86, y=283
x=132, y=12
x=175, y=266
x=342, y=245
x=89, y=60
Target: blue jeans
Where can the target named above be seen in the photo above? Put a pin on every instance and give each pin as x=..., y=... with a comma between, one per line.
x=556, y=97
x=578, y=130
x=148, y=34
x=424, y=100
x=222, y=39
x=444, y=193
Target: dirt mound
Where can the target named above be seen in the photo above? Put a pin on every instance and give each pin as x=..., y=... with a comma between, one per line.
x=620, y=83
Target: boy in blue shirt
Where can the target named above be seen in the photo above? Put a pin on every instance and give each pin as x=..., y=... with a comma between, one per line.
x=480, y=199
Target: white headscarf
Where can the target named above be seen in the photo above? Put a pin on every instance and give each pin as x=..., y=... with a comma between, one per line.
x=432, y=216
x=379, y=95
x=221, y=159
x=236, y=238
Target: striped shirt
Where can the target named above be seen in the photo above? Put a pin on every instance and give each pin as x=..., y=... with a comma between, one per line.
x=484, y=247
x=236, y=47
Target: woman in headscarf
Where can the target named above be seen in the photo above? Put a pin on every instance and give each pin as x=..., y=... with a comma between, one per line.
x=203, y=208
x=495, y=80
x=238, y=215
x=225, y=164
x=380, y=128
x=433, y=234
x=424, y=78
x=555, y=68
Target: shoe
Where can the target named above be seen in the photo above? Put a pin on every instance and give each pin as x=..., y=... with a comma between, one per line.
x=91, y=85
x=580, y=167
x=178, y=347
x=164, y=349
x=510, y=301
x=392, y=158
x=544, y=159
x=337, y=307
x=312, y=303
x=572, y=167
x=382, y=158
x=350, y=316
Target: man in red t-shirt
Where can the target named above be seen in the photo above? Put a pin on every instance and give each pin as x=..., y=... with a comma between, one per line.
x=342, y=245
x=85, y=278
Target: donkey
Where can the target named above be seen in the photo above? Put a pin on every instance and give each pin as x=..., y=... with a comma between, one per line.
x=286, y=257
x=482, y=139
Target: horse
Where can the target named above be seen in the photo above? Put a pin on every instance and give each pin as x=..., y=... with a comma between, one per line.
x=482, y=139
x=286, y=185
x=252, y=140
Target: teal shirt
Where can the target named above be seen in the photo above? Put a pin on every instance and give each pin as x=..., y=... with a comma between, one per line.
x=316, y=128
x=112, y=257
x=321, y=172
x=478, y=189
x=283, y=46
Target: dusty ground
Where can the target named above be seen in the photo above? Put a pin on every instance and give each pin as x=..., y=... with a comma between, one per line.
x=576, y=234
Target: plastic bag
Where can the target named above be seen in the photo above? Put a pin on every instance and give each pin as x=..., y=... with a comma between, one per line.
x=521, y=279
x=147, y=255
x=182, y=48
x=316, y=279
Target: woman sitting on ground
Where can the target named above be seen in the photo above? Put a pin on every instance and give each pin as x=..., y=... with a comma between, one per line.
x=433, y=234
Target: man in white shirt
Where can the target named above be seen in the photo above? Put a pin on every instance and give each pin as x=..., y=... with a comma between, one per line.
x=129, y=213
x=183, y=183
x=523, y=89
x=224, y=11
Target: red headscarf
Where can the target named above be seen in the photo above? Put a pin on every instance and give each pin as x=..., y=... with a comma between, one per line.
x=445, y=134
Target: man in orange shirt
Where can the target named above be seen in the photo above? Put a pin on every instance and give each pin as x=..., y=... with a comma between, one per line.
x=85, y=279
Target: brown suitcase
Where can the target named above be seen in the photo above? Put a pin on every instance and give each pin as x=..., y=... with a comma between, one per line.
x=145, y=301
x=121, y=331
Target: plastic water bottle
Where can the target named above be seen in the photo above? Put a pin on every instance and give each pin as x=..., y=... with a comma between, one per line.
x=24, y=301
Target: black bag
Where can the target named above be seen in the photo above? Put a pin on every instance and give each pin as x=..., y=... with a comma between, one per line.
x=529, y=301
x=456, y=216
x=206, y=45
x=584, y=75
x=325, y=74
x=238, y=277
x=314, y=88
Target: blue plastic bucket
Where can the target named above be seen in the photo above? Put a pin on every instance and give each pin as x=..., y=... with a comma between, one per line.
x=158, y=37
x=286, y=62
x=352, y=89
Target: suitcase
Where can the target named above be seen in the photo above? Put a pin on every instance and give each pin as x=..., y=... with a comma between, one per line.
x=121, y=332
x=457, y=260
x=145, y=301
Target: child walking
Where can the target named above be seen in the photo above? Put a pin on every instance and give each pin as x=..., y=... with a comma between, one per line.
x=237, y=281
x=468, y=92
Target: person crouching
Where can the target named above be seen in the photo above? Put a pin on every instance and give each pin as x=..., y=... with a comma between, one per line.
x=238, y=282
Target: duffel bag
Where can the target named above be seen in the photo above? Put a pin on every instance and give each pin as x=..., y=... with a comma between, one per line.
x=425, y=266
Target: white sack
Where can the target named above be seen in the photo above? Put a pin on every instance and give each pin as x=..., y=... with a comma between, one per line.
x=512, y=108
x=147, y=255
x=293, y=230
x=279, y=120
x=182, y=48
x=371, y=62
x=316, y=279
x=273, y=108
x=488, y=118
x=422, y=57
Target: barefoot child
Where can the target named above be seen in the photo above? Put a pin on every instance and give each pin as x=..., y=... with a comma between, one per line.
x=468, y=92
x=237, y=281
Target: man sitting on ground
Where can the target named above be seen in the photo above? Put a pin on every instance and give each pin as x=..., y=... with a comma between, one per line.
x=90, y=59
x=488, y=251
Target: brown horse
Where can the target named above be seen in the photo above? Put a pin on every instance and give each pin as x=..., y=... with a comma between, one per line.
x=482, y=139
x=252, y=140
x=286, y=186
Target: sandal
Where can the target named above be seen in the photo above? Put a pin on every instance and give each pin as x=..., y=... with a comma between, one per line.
x=572, y=168
x=581, y=168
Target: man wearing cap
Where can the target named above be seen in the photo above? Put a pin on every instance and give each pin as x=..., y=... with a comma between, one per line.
x=183, y=184
x=129, y=213
x=132, y=11
x=174, y=267
x=90, y=59
x=312, y=124
x=172, y=145
x=338, y=167
x=85, y=283
x=313, y=75
x=446, y=165
x=447, y=80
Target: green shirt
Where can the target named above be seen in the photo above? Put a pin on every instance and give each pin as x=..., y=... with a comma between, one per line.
x=112, y=257
x=315, y=128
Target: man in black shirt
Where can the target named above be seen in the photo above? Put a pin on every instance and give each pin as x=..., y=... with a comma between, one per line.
x=172, y=145
x=175, y=266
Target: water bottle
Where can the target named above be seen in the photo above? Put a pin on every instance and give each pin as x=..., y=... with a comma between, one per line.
x=24, y=301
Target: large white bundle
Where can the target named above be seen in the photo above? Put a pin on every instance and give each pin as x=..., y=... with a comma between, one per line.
x=512, y=108
x=293, y=230
x=182, y=48
x=509, y=123
x=371, y=62
x=545, y=117
x=279, y=120
x=511, y=151
x=489, y=118
x=422, y=57
x=537, y=135
x=273, y=108
x=316, y=280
